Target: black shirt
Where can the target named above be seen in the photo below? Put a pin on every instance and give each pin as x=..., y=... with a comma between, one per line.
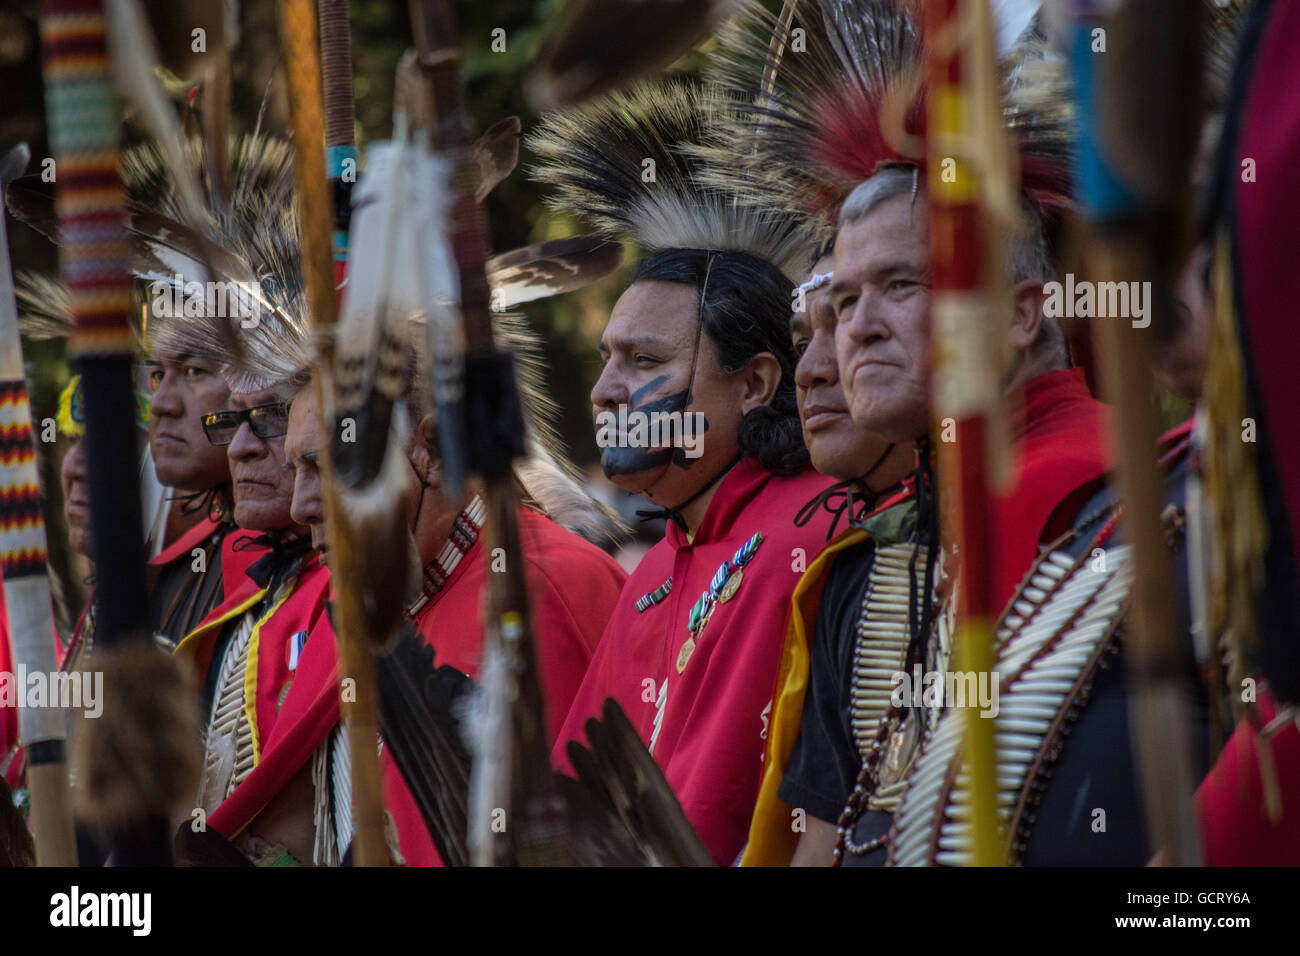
x=824, y=764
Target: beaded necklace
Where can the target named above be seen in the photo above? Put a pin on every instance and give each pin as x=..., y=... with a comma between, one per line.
x=887, y=741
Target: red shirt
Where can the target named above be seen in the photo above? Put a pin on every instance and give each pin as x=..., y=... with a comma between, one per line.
x=1061, y=455
x=708, y=722
x=270, y=678
x=573, y=588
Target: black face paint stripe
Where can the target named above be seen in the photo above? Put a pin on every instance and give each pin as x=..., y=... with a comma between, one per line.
x=633, y=461
x=648, y=389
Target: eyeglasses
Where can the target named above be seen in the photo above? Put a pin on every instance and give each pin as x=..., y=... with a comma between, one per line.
x=266, y=421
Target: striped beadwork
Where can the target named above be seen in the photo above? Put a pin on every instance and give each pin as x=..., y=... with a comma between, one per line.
x=22, y=528
x=84, y=127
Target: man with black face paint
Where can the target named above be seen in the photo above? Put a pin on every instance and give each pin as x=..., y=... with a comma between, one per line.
x=702, y=332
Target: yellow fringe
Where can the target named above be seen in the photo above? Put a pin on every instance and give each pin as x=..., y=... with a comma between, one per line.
x=1232, y=492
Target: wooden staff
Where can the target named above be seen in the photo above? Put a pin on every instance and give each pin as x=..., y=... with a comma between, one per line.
x=42, y=731
x=966, y=364
x=1135, y=155
x=302, y=65
x=494, y=423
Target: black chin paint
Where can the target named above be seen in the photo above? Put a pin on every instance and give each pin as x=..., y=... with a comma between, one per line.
x=621, y=460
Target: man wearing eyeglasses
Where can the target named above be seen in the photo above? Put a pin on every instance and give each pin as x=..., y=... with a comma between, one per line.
x=247, y=649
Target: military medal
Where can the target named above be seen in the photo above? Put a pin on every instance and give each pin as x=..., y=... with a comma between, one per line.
x=722, y=588
x=731, y=586
x=652, y=598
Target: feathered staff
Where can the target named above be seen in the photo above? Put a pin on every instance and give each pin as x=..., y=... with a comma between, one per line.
x=136, y=763
x=352, y=627
x=1140, y=119
x=493, y=423
x=42, y=730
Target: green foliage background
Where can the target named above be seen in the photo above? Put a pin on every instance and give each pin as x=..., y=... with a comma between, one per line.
x=381, y=33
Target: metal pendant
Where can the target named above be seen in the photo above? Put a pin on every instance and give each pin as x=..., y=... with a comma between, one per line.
x=684, y=655
x=732, y=586
x=900, y=750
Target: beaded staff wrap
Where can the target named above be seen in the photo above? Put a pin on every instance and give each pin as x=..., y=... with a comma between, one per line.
x=22, y=529
x=1061, y=627
x=84, y=125
x=84, y=128
x=41, y=730
x=341, y=158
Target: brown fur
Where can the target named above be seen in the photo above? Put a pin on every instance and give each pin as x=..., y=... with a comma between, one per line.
x=142, y=755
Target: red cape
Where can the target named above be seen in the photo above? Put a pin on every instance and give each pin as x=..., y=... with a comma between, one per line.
x=573, y=588
x=710, y=730
x=567, y=623
x=269, y=681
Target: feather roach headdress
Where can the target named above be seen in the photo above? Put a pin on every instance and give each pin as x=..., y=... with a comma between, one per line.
x=628, y=163
x=251, y=313
x=216, y=275
x=818, y=105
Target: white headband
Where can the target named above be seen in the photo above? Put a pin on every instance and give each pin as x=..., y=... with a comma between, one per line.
x=818, y=280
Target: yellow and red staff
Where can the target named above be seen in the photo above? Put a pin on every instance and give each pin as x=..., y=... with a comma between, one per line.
x=971, y=178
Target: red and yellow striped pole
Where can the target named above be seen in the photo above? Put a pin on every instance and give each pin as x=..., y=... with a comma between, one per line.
x=965, y=375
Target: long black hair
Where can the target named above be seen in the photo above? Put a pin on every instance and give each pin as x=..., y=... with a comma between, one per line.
x=745, y=310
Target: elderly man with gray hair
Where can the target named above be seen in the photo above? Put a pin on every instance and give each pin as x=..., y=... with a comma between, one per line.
x=852, y=757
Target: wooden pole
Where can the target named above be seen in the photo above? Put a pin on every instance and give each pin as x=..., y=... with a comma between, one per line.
x=302, y=64
x=491, y=401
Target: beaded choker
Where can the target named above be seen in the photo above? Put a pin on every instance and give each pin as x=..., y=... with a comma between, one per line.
x=464, y=532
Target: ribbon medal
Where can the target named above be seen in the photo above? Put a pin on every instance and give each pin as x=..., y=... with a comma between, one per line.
x=652, y=598
x=722, y=588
